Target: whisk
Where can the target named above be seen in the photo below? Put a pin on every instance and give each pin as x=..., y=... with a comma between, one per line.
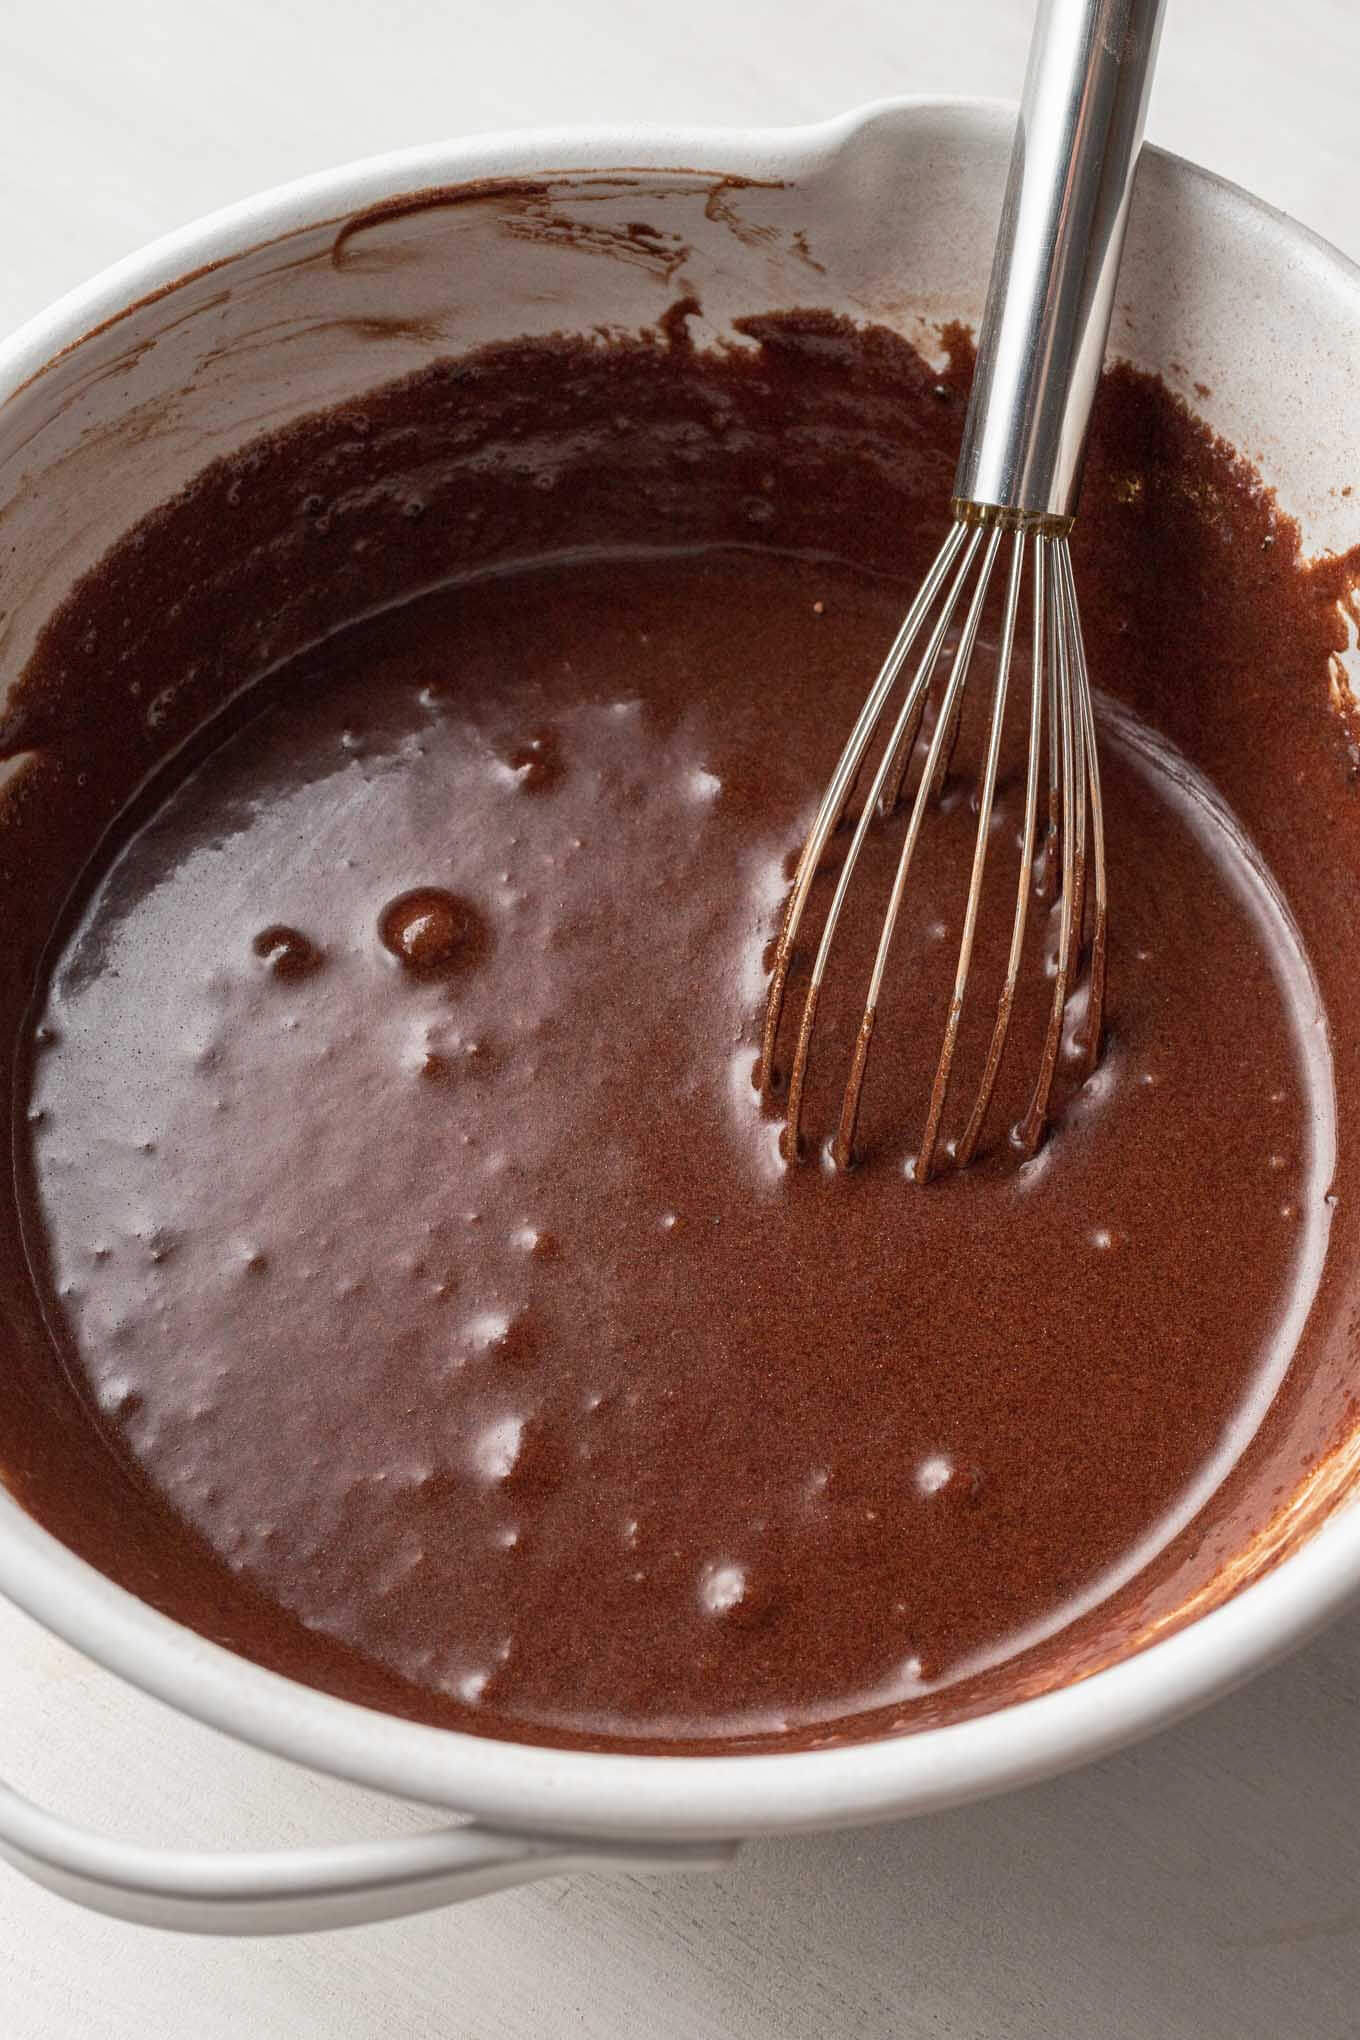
x=1039, y=356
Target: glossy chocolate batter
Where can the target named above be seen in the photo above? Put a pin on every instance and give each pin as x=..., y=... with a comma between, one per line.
x=391, y=1169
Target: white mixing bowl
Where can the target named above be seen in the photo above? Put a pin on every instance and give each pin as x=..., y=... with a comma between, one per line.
x=128, y=387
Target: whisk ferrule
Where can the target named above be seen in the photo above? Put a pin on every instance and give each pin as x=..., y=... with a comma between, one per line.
x=1047, y=314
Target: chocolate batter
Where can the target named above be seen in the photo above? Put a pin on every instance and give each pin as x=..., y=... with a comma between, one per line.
x=395, y=1186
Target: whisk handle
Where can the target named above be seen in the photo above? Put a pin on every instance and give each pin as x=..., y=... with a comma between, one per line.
x=1053, y=278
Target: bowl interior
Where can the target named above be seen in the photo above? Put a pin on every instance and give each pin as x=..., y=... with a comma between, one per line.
x=886, y=218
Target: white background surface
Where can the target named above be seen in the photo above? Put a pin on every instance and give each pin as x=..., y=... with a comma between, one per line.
x=1206, y=1886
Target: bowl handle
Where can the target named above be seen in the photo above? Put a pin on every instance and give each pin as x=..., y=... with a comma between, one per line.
x=302, y=1891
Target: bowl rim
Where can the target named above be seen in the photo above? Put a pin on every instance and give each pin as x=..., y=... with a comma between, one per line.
x=538, y=1789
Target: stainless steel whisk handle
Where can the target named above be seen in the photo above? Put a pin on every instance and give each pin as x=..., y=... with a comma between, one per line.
x=1051, y=293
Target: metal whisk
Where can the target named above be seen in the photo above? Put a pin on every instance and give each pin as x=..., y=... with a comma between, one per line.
x=1040, y=350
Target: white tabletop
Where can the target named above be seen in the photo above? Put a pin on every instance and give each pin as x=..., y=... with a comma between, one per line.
x=1205, y=1886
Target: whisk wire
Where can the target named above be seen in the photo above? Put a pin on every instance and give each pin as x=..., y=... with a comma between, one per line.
x=939, y=1090
x=1093, y=1022
x=941, y=742
x=841, y=786
x=1070, y=833
x=1060, y=696
x=996, y=1048
x=910, y=709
